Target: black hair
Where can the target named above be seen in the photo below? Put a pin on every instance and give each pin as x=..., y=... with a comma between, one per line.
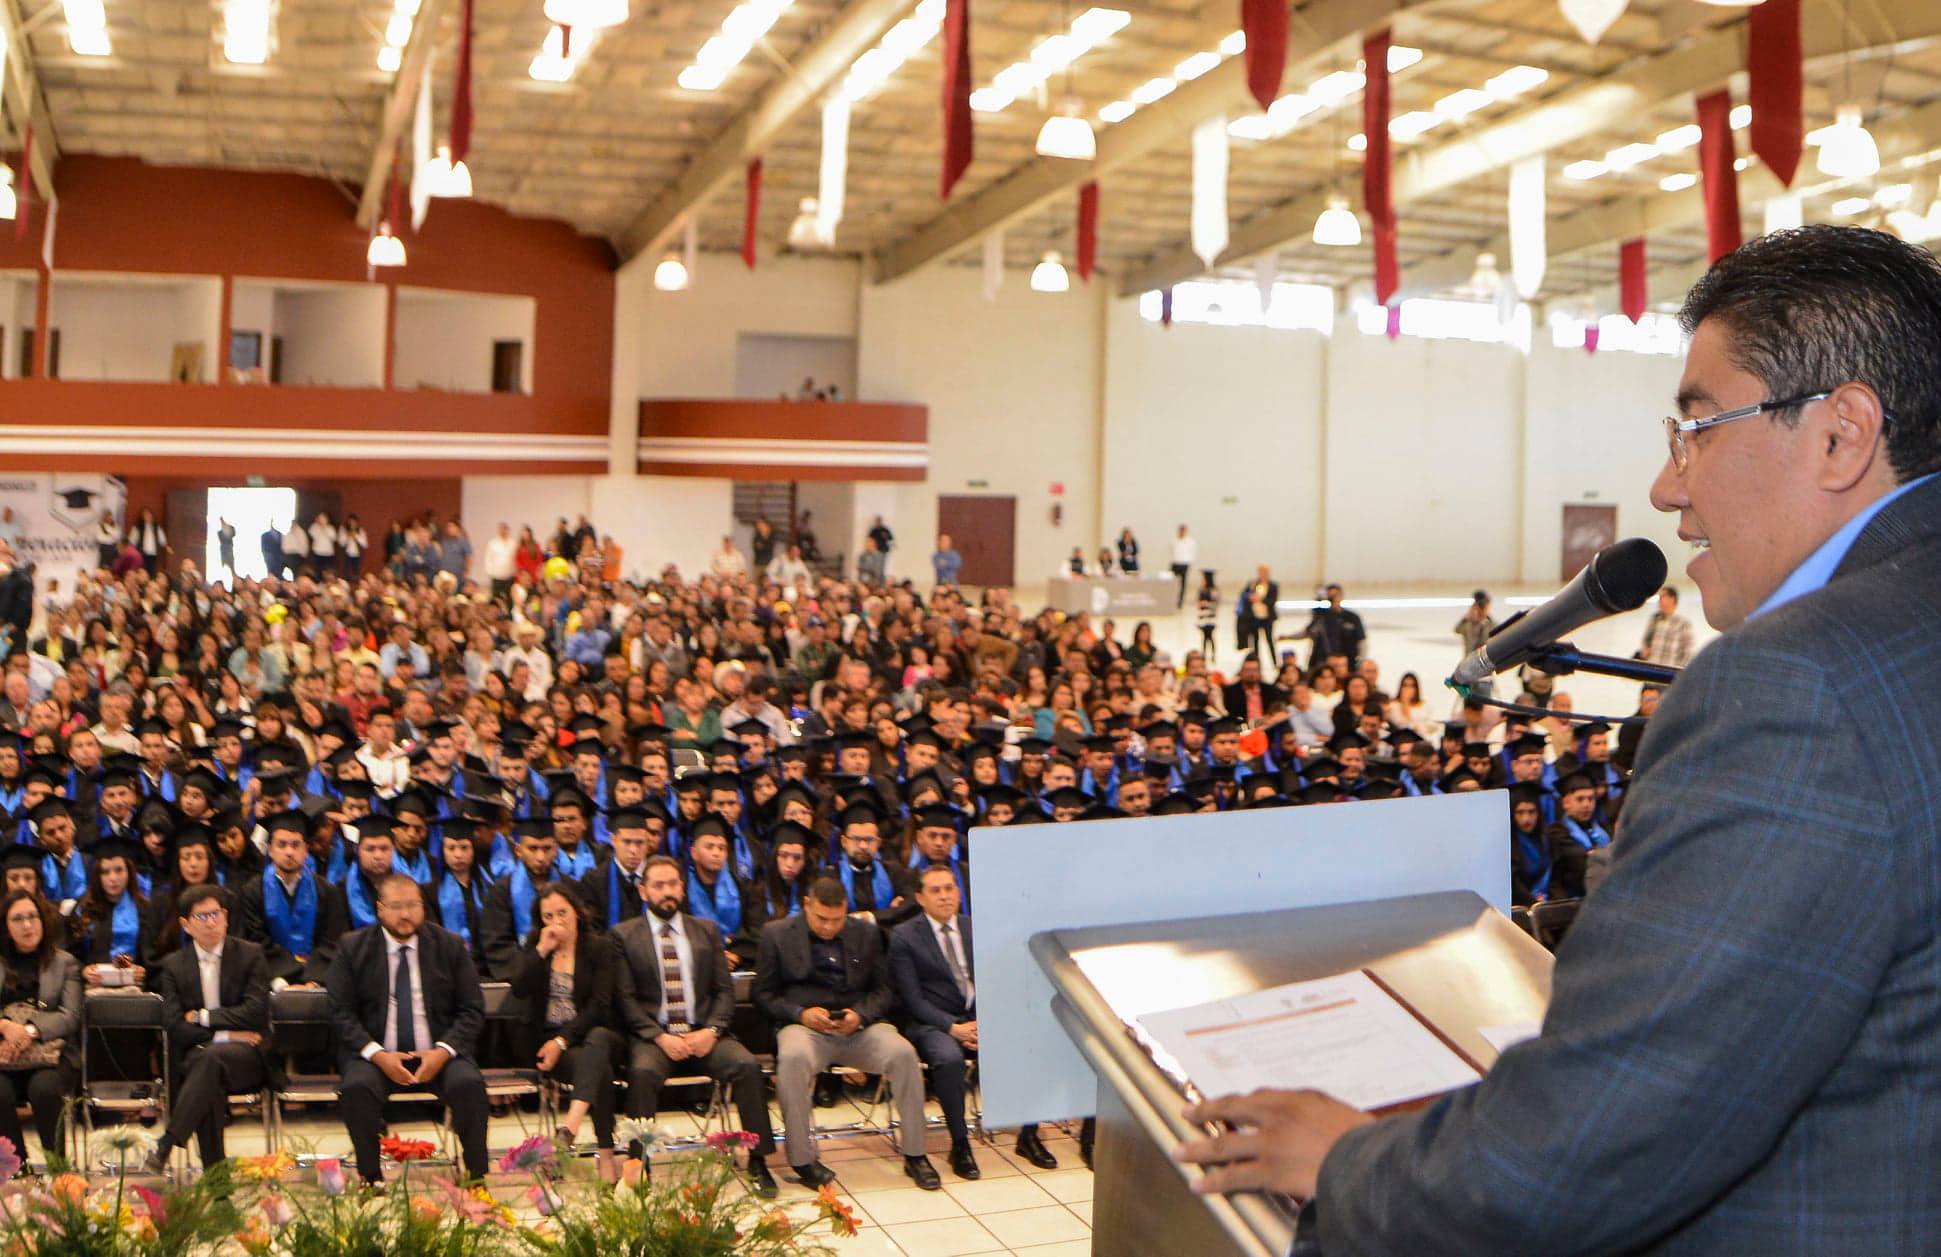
x=828, y=892
x=1812, y=308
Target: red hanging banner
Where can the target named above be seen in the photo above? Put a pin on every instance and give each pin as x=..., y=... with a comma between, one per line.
x=1088, y=229
x=958, y=142
x=1375, y=196
x=394, y=202
x=1265, y=25
x=461, y=138
x=1715, y=163
x=752, y=214
x=24, y=184
x=1776, y=72
x=1631, y=281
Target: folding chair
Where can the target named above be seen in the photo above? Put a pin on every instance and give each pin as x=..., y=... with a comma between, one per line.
x=1550, y=921
x=515, y=1084
x=292, y=1009
x=1520, y=917
x=121, y=1008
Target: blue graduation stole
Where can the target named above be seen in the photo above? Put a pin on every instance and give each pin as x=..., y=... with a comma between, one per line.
x=613, y=893
x=451, y=906
x=418, y=870
x=499, y=861
x=147, y=883
x=10, y=799
x=879, y=882
x=69, y=881
x=1108, y=793
x=523, y=897
x=742, y=857
x=338, y=868
x=163, y=789
x=127, y=926
x=1414, y=791
x=317, y=783
x=723, y=906
x=1532, y=860
x=358, y=892
x=1589, y=840
x=578, y=863
x=292, y=921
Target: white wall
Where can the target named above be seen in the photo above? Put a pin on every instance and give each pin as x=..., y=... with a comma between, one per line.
x=1593, y=435
x=444, y=339
x=1014, y=394
x=768, y=367
x=113, y=330
x=332, y=337
x=16, y=316
x=252, y=308
x=833, y=504
x=1250, y=496
x=688, y=341
x=662, y=519
x=485, y=502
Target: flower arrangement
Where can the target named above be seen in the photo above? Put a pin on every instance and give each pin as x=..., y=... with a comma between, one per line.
x=64, y=1217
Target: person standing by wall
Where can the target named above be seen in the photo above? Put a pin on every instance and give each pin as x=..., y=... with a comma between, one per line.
x=1186, y=548
x=1668, y=637
x=1128, y=552
x=946, y=563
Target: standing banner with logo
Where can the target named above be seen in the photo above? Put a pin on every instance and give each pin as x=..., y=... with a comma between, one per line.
x=54, y=522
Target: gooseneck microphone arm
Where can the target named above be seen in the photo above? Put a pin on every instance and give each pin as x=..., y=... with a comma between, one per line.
x=1561, y=659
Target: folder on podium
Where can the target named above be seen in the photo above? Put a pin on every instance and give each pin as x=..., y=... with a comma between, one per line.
x=1455, y=962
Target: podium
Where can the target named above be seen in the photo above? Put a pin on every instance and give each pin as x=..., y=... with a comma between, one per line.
x=1461, y=964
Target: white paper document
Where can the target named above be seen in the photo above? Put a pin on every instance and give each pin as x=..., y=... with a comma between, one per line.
x=1509, y=1034
x=1344, y=1036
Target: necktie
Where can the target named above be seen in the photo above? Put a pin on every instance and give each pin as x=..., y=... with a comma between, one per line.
x=670, y=980
x=957, y=970
x=407, y=1028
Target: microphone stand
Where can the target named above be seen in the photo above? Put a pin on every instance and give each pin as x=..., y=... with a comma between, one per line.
x=1562, y=658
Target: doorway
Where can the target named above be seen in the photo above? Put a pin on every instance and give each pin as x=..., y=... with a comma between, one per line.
x=1587, y=529
x=984, y=531
x=251, y=511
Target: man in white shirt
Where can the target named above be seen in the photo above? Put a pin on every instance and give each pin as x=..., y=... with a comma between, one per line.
x=386, y=763
x=114, y=732
x=1307, y=717
x=406, y=1002
x=501, y=559
x=539, y=664
x=727, y=562
x=1185, y=550
x=296, y=548
x=216, y=1004
x=787, y=568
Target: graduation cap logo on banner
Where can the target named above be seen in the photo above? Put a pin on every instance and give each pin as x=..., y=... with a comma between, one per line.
x=73, y=503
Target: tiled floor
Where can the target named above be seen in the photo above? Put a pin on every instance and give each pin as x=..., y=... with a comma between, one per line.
x=1014, y=1208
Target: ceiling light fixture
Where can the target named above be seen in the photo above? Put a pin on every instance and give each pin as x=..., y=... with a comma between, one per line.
x=805, y=232
x=1068, y=136
x=9, y=202
x=1847, y=151
x=1678, y=182
x=1337, y=226
x=553, y=64
x=1850, y=206
x=1678, y=139
x=1629, y=155
x=1515, y=81
x=1049, y=275
x=1582, y=170
x=745, y=23
x=1117, y=111
x=246, y=28
x=445, y=178
x=671, y=274
x=589, y=15
x=87, y=28
x=389, y=59
x=386, y=249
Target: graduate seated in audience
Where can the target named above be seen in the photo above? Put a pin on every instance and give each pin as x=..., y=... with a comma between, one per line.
x=1530, y=861
x=575, y=853
x=878, y=890
x=407, y=1007
x=112, y=931
x=216, y=1004
x=791, y=869
x=715, y=893
x=676, y=1000
x=612, y=893
x=566, y=980
x=462, y=885
x=824, y=984
x=1575, y=835
x=511, y=904
x=291, y=910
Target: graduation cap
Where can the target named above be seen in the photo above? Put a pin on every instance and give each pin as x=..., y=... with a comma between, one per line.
x=24, y=855
x=745, y=729
x=275, y=783
x=851, y=738
x=1223, y=773
x=1160, y=767
x=1195, y=716
x=1382, y=790
x=988, y=735
x=76, y=499
x=1383, y=770
x=1175, y=805
x=936, y=816
x=1278, y=730
x=1068, y=797
x=157, y=815
x=1595, y=726
x=1100, y=812
x=850, y=807
x=1455, y=729
x=196, y=835
x=796, y=754
x=1455, y=780
x=1118, y=722
x=705, y=825
x=1159, y=729
x=692, y=783
x=627, y=818
x=119, y=776
x=1325, y=766
x=1320, y=792
x=40, y=772
x=1402, y=736
x=797, y=791
x=790, y=831
x=464, y=828
x=724, y=781
x=1030, y=816
x=1223, y=725
x=625, y=772
x=374, y=826
x=1010, y=796
x=47, y=809
x=1347, y=740
x=341, y=756
x=980, y=750
x=919, y=723
x=534, y=827
x=226, y=727
x=1476, y=750
x=207, y=782
x=924, y=737
x=356, y=788
x=413, y=802
x=286, y=822
x=585, y=723
x=1528, y=744
x=1527, y=792
x=1566, y=786
x=1200, y=789
x=1270, y=800
x=1034, y=745
x=589, y=747
x=648, y=732
x=1099, y=742
x=437, y=729
x=514, y=735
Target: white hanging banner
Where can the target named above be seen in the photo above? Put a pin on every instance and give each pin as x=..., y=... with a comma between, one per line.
x=993, y=264
x=835, y=166
x=1266, y=270
x=421, y=154
x=1529, y=252
x=1209, y=225
x=1592, y=17
x=1783, y=212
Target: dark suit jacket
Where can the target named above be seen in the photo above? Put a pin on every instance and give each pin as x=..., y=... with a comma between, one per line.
x=360, y=988
x=593, y=889
x=593, y=975
x=712, y=1002
x=498, y=933
x=903, y=885
x=922, y=976
x=786, y=981
x=244, y=990
x=333, y=922
x=1742, y=1052
x=1234, y=697
x=59, y=992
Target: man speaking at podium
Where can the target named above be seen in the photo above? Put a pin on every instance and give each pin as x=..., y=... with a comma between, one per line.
x=1743, y=1049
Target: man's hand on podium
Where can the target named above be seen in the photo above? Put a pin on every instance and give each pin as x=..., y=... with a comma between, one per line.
x=1284, y=1137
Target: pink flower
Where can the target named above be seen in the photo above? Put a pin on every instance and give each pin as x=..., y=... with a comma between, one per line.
x=330, y=1175
x=151, y=1203
x=9, y=1159
x=535, y=1153
x=277, y=1210
x=544, y=1203
x=729, y=1140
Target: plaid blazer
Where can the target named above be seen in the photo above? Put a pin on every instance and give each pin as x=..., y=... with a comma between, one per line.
x=1743, y=1050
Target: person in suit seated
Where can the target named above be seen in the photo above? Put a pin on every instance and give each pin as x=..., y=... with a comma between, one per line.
x=566, y=981
x=290, y=911
x=216, y=1004
x=715, y=892
x=1575, y=835
x=509, y=906
x=677, y=1000
x=406, y=1004
x=461, y=887
x=821, y=979
x=877, y=890
x=40, y=1003
x=612, y=894
x=1249, y=698
x=112, y=931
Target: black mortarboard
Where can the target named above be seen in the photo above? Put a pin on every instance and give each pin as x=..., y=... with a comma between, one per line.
x=1527, y=792
x=853, y=738
x=1175, y=805
x=627, y=818
x=1574, y=782
x=935, y=816
x=1345, y=740
x=374, y=826
x=796, y=754
x=1475, y=750
x=857, y=810
x=1034, y=745
x=534, y=827
x=57, y=806
x=1529, y=744
x=204, y=780
x=988, y=735
x=291, y=821
x=1595, y=726
x=692, y=783
x=924, y=737
x=1195, y=716
x=118, y=776
x=1068, y=796
x=515, y=733
x=1030, y=816
x=461, y=827
x=797, y=791
x=76, y=499
x=1200, y=789
x=746, y=729
x=158, y=815
x=585, y=723
x=1402, y=735
x=356, y=788
x=1270, y=800
x=1160, y=767
x=649, y=732
x=704, y=825
x=1159, y=729
x=1383, y=770
x=195, y=835
x=625, y=772
x=724, y=781
x=1457, y=778
x=1320, y=792
x=1001, y=793
x=24, y=855
x=335, y=728
x=413, y=802
x=1098, y=742
x=790, y=831
x=227, y=727
x=437, y=729
x=1325, y=766
x=273, y=783
x=419, y=754
x=1224, y=724
x=1381, y=790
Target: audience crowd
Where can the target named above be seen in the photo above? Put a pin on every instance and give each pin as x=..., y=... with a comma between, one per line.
x=616, y=796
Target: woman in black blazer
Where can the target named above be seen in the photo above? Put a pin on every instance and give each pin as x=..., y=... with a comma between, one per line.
x=566, y=979
x=42, y=983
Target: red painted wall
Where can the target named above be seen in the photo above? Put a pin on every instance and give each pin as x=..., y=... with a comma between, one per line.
x=120, y=214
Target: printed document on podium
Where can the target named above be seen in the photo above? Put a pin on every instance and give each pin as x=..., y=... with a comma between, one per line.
x=1345, y=1036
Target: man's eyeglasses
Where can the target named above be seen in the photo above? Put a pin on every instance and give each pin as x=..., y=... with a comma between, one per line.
x=1676, y=430
x=208, y=916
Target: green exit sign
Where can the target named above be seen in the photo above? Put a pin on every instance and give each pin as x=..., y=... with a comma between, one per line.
x=977, y=484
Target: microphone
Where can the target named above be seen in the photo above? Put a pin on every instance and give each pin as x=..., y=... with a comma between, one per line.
x=1618, y=578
